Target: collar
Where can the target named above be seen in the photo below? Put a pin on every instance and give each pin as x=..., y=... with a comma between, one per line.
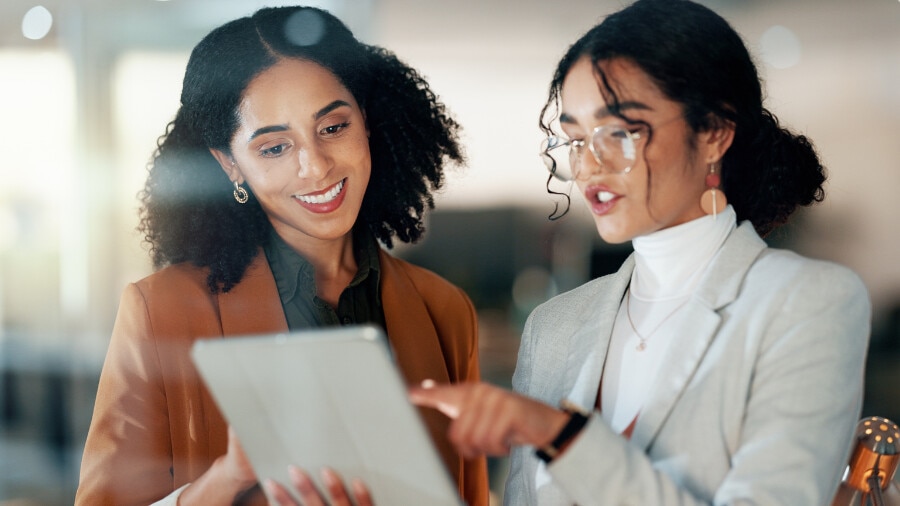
x=296, y=275
x=670, y=262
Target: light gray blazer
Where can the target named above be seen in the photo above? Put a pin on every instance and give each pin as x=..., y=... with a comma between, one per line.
x=756, y=403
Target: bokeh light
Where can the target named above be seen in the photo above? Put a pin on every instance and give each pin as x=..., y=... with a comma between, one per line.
x=780, y=47
x=37, y=22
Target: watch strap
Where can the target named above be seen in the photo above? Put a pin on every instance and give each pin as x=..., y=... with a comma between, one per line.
x=577, y=420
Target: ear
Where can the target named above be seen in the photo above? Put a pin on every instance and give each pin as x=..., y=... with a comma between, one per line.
x=228, y=165
x=716, y=140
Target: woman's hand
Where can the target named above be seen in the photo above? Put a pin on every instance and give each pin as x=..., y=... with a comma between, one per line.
x=230, y=475
x=235, y=463
x=488, y=419
x=310, y=495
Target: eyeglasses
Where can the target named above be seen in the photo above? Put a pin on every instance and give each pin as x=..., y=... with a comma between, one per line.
x=613, y=147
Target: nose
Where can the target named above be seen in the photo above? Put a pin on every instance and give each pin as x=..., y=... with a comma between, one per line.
x=588, y=164
x=315, y=162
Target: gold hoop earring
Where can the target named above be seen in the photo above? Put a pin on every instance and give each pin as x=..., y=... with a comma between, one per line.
x=713, y=200
x=240, y=194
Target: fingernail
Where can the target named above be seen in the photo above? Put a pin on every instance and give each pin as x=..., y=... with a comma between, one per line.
x=303, y=482
x=359, y=487
x=428, y=383
x=329, y=476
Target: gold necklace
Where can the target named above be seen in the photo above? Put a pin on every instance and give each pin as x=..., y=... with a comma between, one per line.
x=643, y=344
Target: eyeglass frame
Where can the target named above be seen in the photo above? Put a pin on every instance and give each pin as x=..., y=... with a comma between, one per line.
x=578, y=144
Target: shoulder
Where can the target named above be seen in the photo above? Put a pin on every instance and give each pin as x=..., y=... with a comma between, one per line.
x=573, y=304
x=181, y=278
x=426, y=282
x=176, y=289
x=584, y=291
x=793, y=273
x=790, y=298
x=757, y=268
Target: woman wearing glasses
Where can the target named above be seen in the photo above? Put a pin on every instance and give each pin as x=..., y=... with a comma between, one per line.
x=710, y=369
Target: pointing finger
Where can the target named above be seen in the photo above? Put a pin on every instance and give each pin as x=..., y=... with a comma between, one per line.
x=446, y=399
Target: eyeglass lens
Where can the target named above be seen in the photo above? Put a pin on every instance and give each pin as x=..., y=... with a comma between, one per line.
x=612, y=147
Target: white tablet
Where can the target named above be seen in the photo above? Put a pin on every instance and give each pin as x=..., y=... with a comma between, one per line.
x=326, y=397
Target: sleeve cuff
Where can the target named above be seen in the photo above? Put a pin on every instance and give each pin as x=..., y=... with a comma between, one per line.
x=171, y=499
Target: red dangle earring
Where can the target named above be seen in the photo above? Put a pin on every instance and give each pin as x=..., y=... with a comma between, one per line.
x=713, y=201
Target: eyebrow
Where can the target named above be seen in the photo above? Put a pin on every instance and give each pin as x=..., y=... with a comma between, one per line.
x=282, y=128
x=267, y=129
x=330, y=107
x=605, y=112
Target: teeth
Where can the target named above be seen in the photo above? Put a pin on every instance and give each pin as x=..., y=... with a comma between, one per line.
x=323, y=197
x=605, y=196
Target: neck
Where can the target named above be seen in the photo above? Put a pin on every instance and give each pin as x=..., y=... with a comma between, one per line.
x=333, y=262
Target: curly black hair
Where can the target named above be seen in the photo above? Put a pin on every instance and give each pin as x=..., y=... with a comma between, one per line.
x=697, y=59
x=188, y=213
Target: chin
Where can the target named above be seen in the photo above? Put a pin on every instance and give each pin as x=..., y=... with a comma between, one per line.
x=613, y=235
x=614, y=238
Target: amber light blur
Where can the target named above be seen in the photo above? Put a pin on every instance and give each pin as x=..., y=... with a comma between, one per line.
x=877, y=451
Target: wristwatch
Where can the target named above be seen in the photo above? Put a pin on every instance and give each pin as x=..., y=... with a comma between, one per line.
x=578, y=417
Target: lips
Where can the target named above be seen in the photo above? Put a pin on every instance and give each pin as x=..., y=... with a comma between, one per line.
x=322, y=197
x=601, y=199
x=324, y=201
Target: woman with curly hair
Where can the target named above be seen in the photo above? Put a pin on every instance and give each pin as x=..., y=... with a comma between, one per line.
x=710, y=369
x=295, y=150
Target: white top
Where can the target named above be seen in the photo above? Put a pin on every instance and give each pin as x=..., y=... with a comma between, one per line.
x=668, y=265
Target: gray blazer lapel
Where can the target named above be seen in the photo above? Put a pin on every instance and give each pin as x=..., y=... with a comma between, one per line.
x=589, y=344
x=697, y=328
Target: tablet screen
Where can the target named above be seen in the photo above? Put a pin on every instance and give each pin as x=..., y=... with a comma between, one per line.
x=326, y=397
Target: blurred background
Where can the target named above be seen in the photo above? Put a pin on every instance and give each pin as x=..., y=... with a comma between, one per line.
x=87, y=86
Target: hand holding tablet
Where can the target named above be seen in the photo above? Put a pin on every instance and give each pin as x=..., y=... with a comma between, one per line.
x=325, y=398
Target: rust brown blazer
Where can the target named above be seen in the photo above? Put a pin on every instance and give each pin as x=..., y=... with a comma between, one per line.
x=155, y=427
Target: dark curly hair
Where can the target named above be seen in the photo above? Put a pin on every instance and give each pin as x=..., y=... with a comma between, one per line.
x=697, y=59
x=188, y=213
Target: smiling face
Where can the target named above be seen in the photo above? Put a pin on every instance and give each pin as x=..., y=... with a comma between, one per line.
x=302, y=147
x=664, y=185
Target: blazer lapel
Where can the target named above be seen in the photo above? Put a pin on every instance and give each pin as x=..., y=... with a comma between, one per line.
x=589, y=343
x=251, y=307
x=414, y=340
x=697, y=329
x=692, y=338
x=417, y=348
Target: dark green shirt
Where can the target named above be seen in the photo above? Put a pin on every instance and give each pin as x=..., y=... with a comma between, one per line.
x=359, y=303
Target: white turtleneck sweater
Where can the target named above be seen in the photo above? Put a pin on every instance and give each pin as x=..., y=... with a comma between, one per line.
x=668, y=265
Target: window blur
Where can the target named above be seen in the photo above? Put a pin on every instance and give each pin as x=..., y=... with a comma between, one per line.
x=87, y=87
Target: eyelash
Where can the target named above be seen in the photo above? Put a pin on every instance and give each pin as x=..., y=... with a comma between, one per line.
x=276, y=151
x=339, y=127
x=271, y=152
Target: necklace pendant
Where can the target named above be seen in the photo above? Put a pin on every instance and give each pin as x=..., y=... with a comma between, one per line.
x=641, y=346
